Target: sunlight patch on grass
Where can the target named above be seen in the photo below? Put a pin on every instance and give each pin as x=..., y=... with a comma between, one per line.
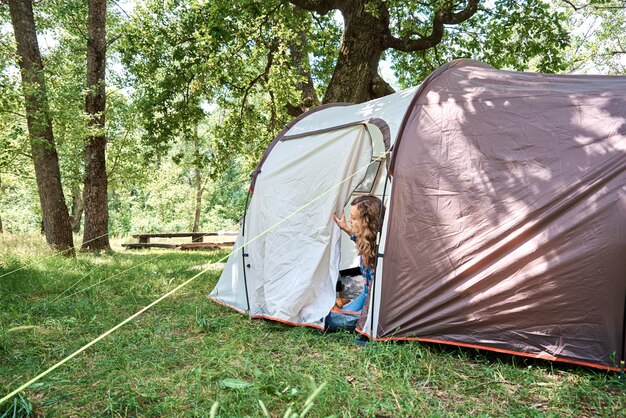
x=174, y=359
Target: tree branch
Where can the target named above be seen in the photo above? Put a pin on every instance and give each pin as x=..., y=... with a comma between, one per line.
x=24, y=154
x=320, y=6
x=13, y=113
x=117, y=157
x=120, y=7
x=594, y=6
x=270, y=59
x=574, y=6
x=110, y=42
x=443, y=16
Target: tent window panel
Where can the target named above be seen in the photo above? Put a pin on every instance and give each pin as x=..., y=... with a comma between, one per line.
x=370, y=176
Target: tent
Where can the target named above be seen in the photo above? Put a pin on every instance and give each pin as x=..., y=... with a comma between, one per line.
x=505, y=226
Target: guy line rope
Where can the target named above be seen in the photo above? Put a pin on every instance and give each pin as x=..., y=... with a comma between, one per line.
x=180, y=286
x=50, y=256
x=59, y=297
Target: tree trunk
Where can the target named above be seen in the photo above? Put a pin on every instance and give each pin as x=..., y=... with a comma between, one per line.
x=77, y=209
x=198, y=181
x=96, y=232
x=199, y=191
x=55, y=217
x=367, y=34
x=300, y=62
x=359, y=54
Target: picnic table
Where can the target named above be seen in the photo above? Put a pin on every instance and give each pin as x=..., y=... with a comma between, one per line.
x=197, y=240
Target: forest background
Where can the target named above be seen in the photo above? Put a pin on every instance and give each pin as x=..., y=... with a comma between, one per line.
x=159, y=110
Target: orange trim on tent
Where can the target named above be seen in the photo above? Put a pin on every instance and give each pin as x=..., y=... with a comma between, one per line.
x=286, y=322
x=227, y=305
x=338, y=310
x=265, y=316
x=498, y=350
x=363, y=333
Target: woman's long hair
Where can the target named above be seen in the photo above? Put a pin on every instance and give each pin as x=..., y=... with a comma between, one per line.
x=369, y=208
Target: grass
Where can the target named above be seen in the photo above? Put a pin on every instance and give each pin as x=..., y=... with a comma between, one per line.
x=188, y=356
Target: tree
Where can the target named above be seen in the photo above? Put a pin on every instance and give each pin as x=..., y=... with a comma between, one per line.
x=597, y=28
x=508, y=33
x=367, y=35
x=55, y=216
x=199, y=183
x=187, y=56
x=262, y=63
x=95, y=201
x=527, y=35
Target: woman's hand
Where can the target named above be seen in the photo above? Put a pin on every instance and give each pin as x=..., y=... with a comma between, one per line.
x=342, y=223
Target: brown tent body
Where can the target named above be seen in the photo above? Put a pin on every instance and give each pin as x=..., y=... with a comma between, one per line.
x=507, y=217
x=505, y=226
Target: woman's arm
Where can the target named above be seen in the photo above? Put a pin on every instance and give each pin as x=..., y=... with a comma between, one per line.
x=342, y=223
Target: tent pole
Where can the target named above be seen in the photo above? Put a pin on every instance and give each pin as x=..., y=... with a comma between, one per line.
x=243, y=248
x=623, y=359
x=380, y=232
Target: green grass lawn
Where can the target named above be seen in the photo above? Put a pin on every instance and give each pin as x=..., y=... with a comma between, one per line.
x=188, y=355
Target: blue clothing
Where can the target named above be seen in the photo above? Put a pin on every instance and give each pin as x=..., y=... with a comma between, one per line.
x=357, y=303
x=368, y=274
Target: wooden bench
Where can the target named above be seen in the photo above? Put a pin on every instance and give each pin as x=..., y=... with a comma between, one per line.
x=211, y=245
x=197, y=240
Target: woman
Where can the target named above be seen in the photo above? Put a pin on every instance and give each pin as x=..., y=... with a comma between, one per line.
x=365, y=217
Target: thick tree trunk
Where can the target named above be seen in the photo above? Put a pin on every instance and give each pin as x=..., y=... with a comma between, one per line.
x=77, y=209
x=357, y=63
x=96, y=232
x=367, y=34
x=55, y=217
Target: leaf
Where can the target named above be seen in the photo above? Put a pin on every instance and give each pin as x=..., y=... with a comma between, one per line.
x=237, y=384
x=22, y=327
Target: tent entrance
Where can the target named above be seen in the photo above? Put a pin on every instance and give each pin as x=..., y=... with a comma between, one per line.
x=293, y=244
x=372, y=184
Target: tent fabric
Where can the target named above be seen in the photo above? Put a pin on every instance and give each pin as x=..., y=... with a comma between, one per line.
x=389, y=110
x=231, y=290
x=508, y=215
x=291, y=240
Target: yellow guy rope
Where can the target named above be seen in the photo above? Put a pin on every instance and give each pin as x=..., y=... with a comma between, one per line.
x=87, y=275
x=51, y=255
x=177, y=288
x=59, y=298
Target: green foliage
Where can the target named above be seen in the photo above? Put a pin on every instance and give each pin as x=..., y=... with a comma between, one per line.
x=202, y=86
x=128, y=164
x=13, y=136
x=597, y=29
x=189, y=57
x=511, y=34
x=166, y=203
x=186, y=353
x=19, y=204
x=530, y=36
